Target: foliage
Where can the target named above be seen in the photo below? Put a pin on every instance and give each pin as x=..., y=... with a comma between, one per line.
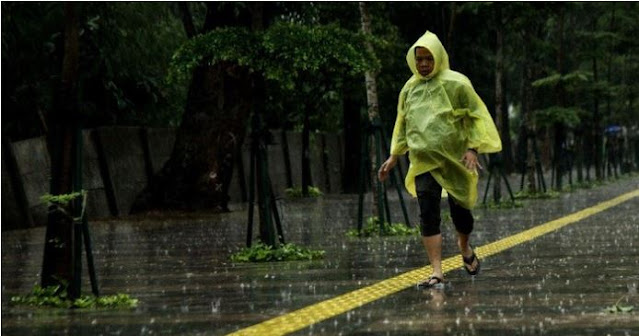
x=261, y=252
x=63, y=199
x=213, y=47
x=125, y=48
x=556, y=79
x=129, y=45
x=564, y=115
x=502, y=205
x=619, y=309
x=616, y=308
x=304, y=65
x=372, y=229
x=525, y=194
x=296, y=192
x=313, y=57
x=282, y=53
x=584, y=185
x=56, y=297
x=293, y=50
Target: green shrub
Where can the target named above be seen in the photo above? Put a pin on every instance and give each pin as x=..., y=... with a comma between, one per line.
x=56, y=297
x=501, y=205
x=296, y=192
x=63, y=199
x=617, y=308
x=372, y=229
x=261, y=252
x=525, y=194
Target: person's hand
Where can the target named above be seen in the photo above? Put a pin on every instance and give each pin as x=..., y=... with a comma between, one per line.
x=386, y=167
x=471, y=161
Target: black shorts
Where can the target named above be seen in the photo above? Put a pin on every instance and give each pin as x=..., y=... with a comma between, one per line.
x=429, y=198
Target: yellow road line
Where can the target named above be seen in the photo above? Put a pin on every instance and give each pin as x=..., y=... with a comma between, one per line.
x=312, y=314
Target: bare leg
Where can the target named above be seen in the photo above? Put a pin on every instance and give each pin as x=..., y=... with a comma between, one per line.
x=464, y=248
x=433, y=245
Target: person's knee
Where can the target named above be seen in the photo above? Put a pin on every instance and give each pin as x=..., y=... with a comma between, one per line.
x=431, y=221
x=462, y=217
x=466, y=229
x=429, y=230
x=464, y=222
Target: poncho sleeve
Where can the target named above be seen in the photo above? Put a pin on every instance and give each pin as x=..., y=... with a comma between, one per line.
x=399, y=144
x=478, y=126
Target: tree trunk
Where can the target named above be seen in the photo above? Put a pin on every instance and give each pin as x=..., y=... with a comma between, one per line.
x=352, y=139
x=219, y=101
x=560, y=93
x=610, y=159
x=451, y=29
x=579, y=155
x=596, y=121
x=507, y=145
x=57, y=265
x=370, y=77
x=198, y=173
x=307, y=179
x=373, y=108
x=526, y=110
x=499, y=94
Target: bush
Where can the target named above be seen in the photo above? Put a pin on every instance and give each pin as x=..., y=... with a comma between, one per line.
x=525, y=194
x=56, y=297
x=296, y=192
x=501, y=205
x=372, y=229
x=261, y=252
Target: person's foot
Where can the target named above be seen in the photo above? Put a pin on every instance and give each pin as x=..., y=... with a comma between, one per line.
x=432, y=281
x=471, y=262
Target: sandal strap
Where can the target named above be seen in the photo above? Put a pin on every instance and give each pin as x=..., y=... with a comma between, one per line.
x=470, y=259
x=439, y=280
x=426, y=282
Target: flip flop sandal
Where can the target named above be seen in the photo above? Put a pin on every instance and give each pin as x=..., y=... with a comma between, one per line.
x=468, y=263
x=427, y=283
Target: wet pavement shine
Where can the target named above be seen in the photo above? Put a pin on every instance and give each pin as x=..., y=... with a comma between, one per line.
x=556, y=284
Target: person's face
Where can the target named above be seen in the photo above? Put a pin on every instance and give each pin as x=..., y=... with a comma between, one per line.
x=424, y=60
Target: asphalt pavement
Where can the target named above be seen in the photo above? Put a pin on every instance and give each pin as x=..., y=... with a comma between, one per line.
x=557, y=283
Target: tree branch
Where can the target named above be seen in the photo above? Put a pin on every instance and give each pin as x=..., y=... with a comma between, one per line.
x=187, y=19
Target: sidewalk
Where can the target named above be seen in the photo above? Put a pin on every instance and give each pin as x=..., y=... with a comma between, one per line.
x=557, y=284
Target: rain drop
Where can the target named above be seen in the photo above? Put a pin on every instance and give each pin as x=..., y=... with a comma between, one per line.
x=215, y=306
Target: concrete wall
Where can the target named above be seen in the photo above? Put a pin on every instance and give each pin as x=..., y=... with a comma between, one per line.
x=12, y=216
x=32, y=158
x=97, y=204
x=118, y=162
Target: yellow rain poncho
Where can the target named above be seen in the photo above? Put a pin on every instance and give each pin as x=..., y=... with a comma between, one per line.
x=439, y=117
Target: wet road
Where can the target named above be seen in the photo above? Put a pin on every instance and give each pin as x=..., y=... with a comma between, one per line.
x=557, y=284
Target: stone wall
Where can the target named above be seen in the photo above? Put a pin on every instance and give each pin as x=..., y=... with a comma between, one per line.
x=118, y=162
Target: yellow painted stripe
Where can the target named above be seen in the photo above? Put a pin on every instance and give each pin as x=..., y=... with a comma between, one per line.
x=318, y=312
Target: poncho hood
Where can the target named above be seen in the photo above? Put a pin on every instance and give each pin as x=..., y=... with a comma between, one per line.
x=431, y=42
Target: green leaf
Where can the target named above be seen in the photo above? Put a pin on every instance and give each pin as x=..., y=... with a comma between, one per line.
x=63, y=199
x=56, y=297
x=261, y=252
x=372, y=229
x=625, y=309
x=618, y=309
x=296, y=192
x=611, y=309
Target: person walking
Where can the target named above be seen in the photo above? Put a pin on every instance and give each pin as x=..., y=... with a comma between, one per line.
x=443, y=125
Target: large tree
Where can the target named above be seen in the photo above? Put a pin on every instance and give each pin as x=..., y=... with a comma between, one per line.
x=218, y=104
x=235, y=56
x=57, y=266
